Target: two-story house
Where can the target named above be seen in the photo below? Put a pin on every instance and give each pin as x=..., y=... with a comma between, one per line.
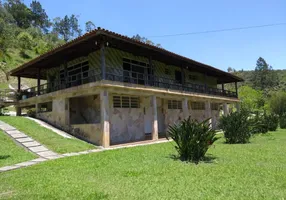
x=114, y=89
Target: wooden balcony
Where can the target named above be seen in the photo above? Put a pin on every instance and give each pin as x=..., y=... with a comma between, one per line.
x=126, y=77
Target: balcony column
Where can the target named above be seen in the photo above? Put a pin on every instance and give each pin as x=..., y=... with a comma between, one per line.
x=19, y=83
x=222, y=87
x=208, y=112
x=225, y=109
x=102, y=61
x=155, y=118
x=236, y=90
x=185, y=109
x=39, y=81
x=104, y=113
x=183, y=77
x=66, y=73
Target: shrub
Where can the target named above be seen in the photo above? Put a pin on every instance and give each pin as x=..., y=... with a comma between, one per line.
x=31, y=112
x=258, y=123
x=192, y=139
x=236, y=127
x=282, y=121
x=272, y=121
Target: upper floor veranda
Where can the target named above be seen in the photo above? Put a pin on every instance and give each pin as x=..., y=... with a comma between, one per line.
x=103, y=55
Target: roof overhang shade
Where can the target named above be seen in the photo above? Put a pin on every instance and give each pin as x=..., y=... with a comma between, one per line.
x=89, y=42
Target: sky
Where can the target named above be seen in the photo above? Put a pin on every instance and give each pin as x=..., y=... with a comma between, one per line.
x=237, y=49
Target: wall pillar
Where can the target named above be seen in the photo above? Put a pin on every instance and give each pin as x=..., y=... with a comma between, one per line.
x=237, y=105
x=225, y=109
x=18, y=111
x=104, y=113
x=185, y=108
x=102, y=61
x=208, y=111
x=37, y=108
x=67, y=111
x=155, y=118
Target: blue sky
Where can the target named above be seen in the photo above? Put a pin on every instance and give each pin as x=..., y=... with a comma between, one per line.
x=237, y=49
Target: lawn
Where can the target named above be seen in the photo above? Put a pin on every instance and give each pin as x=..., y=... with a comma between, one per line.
x=47, y=137
x=249, y=171
x=11, y=153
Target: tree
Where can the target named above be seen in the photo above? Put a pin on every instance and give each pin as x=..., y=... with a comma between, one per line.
x=264, y=76
x=67, y=27
x=278, y=103
x=89, y=26
x=20, y=12
x=145, y=40
x=252, y=100
x=25, y=41
x=39, y=16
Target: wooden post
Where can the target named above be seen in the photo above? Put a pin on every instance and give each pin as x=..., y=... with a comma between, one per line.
x=155, y=118
x=19, y=83
x=39, y=81
x=104, y=111
x=102, y=61
x=236, y=89
x=150, y=77
x=65, y=74
x=183, y=77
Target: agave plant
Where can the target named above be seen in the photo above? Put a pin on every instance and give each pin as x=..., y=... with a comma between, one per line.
x=192, y=139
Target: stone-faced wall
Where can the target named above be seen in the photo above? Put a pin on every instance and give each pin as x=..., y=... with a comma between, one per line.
x=90, y=132
x=126, y=124
x=85, y=110
x=58, y=115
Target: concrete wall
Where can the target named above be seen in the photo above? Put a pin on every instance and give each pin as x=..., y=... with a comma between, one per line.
x=85, y=110
x=90, y=132
x=58, y=115
x=126, y=124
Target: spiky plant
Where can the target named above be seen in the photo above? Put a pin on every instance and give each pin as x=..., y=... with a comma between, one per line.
x=192, y=139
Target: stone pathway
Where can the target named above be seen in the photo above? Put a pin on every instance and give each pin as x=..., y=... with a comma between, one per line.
x=46, y=154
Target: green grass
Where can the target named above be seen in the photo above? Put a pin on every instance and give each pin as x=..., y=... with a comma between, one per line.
x=249, y=171
x=11, y=153
x=47, y=137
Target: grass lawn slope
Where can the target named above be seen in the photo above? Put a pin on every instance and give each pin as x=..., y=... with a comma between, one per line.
x=248, y=171
x=11, y=153
x=47, y=137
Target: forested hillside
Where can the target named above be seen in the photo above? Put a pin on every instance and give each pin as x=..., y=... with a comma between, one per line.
x=26, y=31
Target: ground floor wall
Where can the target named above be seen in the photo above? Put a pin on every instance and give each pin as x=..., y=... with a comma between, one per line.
x=124, y=123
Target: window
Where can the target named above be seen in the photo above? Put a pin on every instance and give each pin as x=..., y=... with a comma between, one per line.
x=76, y=72
x=193, y=77
x=167, y=71
x=133, y=71
x=45, y=107
x=215, y=106
x=126, y=102
x=174, y=104
x=198, y=105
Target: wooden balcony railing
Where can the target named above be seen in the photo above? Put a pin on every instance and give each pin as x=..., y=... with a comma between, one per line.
x=126, y=77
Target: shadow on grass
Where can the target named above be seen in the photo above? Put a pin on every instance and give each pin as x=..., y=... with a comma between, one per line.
x=4, y=157
x=209, y=158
